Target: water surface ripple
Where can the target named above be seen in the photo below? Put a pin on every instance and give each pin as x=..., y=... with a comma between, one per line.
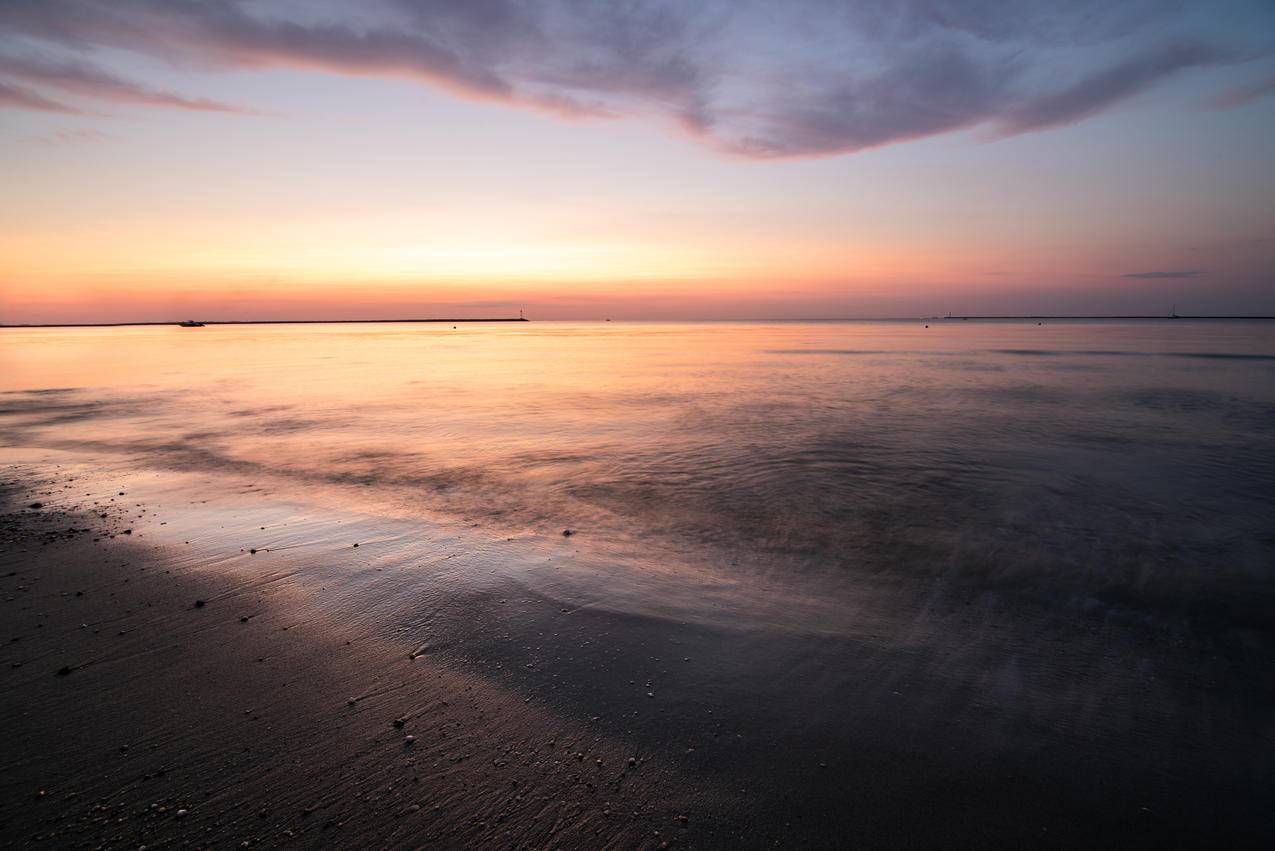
x=1041, y=551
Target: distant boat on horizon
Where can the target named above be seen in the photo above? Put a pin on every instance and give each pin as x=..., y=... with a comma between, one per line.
x=190, y=323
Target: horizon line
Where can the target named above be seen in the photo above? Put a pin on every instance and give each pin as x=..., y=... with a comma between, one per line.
x=949, y=318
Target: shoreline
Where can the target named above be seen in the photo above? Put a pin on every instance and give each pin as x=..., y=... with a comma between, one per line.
x=241, y=706
x=155, y=704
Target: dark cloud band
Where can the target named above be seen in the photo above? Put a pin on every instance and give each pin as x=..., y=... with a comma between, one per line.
x=1156, y=276
x=802, y=78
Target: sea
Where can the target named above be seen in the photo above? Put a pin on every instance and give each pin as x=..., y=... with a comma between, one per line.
x=996, y=571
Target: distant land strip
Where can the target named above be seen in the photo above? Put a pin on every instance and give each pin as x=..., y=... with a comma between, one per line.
x=252, y=322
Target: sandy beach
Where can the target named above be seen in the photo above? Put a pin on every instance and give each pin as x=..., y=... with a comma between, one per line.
x=147, y=705
x=154, y=701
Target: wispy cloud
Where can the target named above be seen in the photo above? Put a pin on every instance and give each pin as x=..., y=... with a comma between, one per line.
x=75, y=137
x=801, y=78
x=1096, y=92
x=1244, y=95
x=82, y=78
x=1154, y=276
x=19, y=98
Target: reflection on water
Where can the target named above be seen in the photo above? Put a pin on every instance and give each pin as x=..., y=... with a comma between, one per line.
x=967, y=513
x=1013, y=452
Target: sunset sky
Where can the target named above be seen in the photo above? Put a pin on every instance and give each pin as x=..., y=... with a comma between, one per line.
x=236, y=160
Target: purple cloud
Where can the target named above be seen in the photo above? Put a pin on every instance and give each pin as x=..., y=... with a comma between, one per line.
x=80, y=78
x=1157, y=276
x=1096, y=92
x=801, y=78
x=16, y=97
x=1244, y=95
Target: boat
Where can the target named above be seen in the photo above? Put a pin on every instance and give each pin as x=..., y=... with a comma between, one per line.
x=190, y=323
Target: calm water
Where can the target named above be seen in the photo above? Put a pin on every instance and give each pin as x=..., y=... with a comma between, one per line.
x=1039, y=552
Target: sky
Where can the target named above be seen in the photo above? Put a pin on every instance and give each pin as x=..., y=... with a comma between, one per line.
x=580, y=159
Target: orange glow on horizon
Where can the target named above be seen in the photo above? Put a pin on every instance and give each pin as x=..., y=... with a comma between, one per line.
x=361, y=267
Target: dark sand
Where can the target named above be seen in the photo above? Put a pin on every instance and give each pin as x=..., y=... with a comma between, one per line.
x=177, y=725
x=180, y=724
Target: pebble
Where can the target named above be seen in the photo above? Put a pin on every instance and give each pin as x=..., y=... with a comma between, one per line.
x=199, y=604
x=183, y=813
x=567, y=533
x=409, y=739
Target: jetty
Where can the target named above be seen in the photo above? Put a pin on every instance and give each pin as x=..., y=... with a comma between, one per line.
x=191, y=323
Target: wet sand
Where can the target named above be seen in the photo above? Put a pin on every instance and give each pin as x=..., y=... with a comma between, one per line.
x=136, y=716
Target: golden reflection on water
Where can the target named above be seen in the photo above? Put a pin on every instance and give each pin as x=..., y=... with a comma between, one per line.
x=826, y=442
